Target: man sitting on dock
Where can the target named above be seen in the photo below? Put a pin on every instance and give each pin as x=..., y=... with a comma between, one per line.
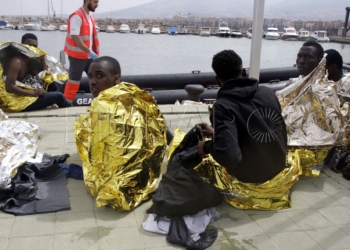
x=32, y=40
x=121, y=140
x=247, y=161
x=308, y=58
x=21, y=89
x=334, y=65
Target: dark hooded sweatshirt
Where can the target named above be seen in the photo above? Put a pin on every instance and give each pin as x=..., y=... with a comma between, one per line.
x=250, y=138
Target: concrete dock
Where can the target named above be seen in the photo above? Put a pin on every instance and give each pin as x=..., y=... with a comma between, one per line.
x=318, y=219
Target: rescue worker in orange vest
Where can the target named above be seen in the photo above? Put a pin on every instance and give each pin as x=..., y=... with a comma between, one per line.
x=82, y=45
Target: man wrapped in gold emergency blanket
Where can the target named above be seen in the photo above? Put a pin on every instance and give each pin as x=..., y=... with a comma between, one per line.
x=314, y=120
x=121, y=141
x=24, y=81
x=270, y=195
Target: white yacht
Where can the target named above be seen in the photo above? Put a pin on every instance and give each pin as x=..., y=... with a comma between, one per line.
x=141, y=29
x=272, y=34
x=63, y=27
x=223, y=30
x=33, y=25
x=237, y=33
x=48, y=27
x=304, y=35
x=289, y=34
x=155, y=30
x=97, y=28
x=110, y=29
x=249, y=33
x=320, y=36
x=205, y=31
x=4, y=25
x=124, y=28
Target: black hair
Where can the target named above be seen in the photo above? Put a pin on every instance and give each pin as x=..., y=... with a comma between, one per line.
x=29, y=36
x=227, y=64
x=319, y=48
x=114, y=66
x=333, y=57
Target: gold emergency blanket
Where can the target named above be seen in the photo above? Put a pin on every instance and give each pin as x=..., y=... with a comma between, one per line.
x=311, y=111
x=14, y=103
x=121, y=141
x=271, y=195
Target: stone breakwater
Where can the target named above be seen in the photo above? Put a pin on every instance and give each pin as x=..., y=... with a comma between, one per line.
x=133, y=24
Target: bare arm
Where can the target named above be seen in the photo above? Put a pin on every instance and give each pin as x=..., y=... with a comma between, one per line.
x=43, y=62
x=11, y=77
x=80, y=43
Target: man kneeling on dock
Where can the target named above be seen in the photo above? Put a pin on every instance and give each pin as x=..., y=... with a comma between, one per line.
x=121, y=140
x=246, y=156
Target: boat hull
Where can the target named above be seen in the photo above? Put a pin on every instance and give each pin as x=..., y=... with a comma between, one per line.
x=31, y=27
x=304, y=38
x=271, y=37
x=223, y=34
x=204, y=34
x=236, y=35
x=289, y=38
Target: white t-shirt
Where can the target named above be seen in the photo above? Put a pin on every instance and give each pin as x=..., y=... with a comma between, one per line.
x=75, y=26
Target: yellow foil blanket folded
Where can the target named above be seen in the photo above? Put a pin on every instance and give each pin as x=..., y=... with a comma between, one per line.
x=271, y=195
x=14, y=103
x=121, y=141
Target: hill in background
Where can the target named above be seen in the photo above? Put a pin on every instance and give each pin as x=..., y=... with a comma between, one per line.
x=307, y=9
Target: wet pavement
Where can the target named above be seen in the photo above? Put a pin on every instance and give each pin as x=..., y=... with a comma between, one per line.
x=319, y=217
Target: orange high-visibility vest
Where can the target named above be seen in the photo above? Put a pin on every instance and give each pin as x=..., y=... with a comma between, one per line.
x=71, y=48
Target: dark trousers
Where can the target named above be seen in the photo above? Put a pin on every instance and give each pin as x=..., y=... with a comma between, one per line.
x=47, y=100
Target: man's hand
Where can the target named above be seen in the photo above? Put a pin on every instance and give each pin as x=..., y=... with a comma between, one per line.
x=200, y=148
x=93, y=55
x=39, y=92
x=206, y=130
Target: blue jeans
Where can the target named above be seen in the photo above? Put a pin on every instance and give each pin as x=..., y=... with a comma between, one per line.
x=47, y=100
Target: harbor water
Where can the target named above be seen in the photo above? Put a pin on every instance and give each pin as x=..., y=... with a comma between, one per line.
x=165, y=54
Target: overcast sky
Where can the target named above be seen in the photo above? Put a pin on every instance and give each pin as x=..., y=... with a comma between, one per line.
x=39, y=7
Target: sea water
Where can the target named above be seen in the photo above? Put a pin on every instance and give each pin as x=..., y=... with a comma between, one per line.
x=164, y=54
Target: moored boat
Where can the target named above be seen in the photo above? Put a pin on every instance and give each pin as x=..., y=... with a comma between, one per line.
x=124, y=28
x=155, y=30
x=48, y=27
x=289, y=34
x=141, y=29
x=33, y=25
x=4, y=25
x=272, y=34
x=320, y=36
x=223, y=30
x=249, y=33
x=236, y=33
x=110, y=29
x=172, y=31
x=304, y=35
x=63, y=27
x=205, y=31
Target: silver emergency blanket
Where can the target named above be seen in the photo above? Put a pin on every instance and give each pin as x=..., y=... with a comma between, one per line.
x=311, y=110
x=18, y=143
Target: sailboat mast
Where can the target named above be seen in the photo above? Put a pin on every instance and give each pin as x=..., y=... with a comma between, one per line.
x=61, y=8
x=48, y=9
